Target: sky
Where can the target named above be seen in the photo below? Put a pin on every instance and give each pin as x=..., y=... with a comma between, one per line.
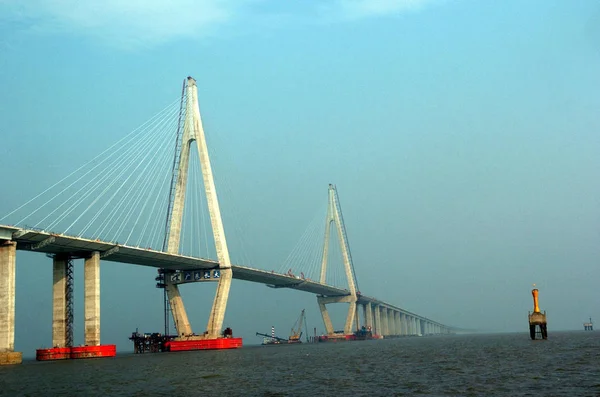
x=462, y=137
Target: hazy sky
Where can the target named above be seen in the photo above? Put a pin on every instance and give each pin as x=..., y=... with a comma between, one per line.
x=463, y=137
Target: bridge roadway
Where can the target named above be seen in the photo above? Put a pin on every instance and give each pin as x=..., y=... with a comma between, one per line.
x=52, y=243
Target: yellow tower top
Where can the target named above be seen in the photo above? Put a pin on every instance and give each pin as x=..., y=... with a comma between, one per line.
x=534, y=292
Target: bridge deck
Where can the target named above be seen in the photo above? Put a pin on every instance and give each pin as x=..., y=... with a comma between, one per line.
x=51, y=243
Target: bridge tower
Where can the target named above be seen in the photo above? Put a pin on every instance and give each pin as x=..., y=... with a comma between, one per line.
x=193, y=132
x=334, y=215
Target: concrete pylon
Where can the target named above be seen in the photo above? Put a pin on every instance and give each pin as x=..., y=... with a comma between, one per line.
x=59, y=302
x=91, y=275
x=391, y=322
x=194, y=132
x=334, y=216
x=8, y=258
x=369, y=315
x=384, y=321
x=377, y=319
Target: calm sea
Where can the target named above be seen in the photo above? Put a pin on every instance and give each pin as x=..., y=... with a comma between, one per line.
x=567, y=364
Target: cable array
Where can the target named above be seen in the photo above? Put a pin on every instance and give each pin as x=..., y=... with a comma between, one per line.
x=196, y=231
x=234, y=221
x=305, y=259
x=121, y=195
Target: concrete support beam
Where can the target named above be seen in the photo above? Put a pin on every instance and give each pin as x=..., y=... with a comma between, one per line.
x=377, y=312
x=384, y=322
x=182, y=324
x=398, y=325
x=8, y=260
x=403, y=324
x=326, y=319
x=59, y=302
x=335, y=299
x=350, y=317
x=91, y=270
x=391, y=322
x=369, y=315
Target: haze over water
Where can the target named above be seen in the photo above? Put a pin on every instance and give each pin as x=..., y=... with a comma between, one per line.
x=464, y=365
x=462, y=136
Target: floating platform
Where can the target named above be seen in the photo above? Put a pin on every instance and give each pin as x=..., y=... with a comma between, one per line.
x=336, y=338
x=202, y=344
x=74, y=353
x=156, y=342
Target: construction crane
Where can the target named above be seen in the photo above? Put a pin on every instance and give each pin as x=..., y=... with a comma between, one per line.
x=297, y=329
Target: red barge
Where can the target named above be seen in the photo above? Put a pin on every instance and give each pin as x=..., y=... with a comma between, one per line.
x=77, y=352
x=156, y=342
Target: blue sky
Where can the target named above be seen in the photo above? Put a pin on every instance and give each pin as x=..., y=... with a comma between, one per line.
x=462, y=135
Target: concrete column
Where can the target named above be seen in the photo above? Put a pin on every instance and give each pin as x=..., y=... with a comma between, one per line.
x=59, y=302
x=391, y=324
x=384, y=322
x=8, y=260
x=402, y=321
x=398, y=324
x=326, y=319
x=377, y=311
x=92, y=299
x=364, y=307
x=369, y=316
x=403, y=324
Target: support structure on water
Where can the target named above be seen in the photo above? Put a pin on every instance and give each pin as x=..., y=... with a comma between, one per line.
x=537, y=319
x=193, y=133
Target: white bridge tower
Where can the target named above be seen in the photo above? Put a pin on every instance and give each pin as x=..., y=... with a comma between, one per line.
x=193, y=132
x=334, y=215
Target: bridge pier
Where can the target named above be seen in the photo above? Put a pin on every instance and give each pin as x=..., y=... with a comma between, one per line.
x=402, y=319
x=91, y=271
x=390, y=321
x=377, y=315
x=397, y=321
x=60, y=320
x=369, y=316
x=8, y=256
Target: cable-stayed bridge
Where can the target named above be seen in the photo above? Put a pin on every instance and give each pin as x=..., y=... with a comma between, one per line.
x=151, y=200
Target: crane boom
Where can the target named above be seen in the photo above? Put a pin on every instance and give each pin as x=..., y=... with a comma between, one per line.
x=297, y=328
x=272, y=337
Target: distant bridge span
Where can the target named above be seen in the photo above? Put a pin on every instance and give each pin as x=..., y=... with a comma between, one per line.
x=53, y=244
